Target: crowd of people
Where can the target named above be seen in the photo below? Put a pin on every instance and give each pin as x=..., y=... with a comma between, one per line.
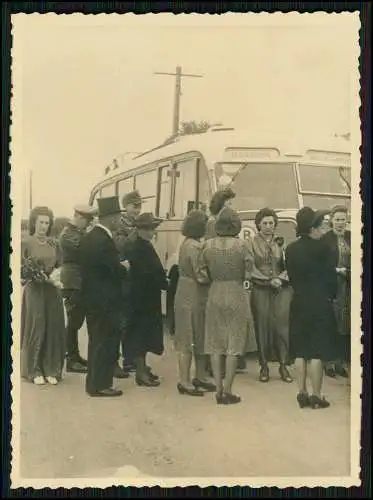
x=292, y=302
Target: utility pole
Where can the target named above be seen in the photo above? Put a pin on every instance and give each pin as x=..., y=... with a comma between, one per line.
x=178, y=76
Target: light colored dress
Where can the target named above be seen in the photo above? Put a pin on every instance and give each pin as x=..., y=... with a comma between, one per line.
x=270, y=307
x=190, y=301
x=226, y=263
x=42, y=318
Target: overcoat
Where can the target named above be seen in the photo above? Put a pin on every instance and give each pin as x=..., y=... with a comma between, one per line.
x=102, y=276
x=148, y=279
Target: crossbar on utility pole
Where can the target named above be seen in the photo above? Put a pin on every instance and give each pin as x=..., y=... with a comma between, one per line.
x=178, y=76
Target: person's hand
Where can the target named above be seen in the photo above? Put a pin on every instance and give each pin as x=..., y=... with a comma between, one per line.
x=276, y=283
x=342, y=271
x=125, y=264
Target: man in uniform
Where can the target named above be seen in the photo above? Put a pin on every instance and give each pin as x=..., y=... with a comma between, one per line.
x=131, y=204
x=70, y=242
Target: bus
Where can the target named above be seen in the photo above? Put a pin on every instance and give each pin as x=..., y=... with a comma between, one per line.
x=185, y=172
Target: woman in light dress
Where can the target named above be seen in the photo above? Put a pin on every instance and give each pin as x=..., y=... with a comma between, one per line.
x=270, y=296
x=226, y=263
x=190, y=304
x=42, y=316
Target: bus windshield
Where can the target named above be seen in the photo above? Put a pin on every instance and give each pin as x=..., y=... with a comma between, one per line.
x=259, y=184
x=332, y=180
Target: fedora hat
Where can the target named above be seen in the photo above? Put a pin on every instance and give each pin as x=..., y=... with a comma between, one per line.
x=147, y=221
x=307, y=218
x=108, y=206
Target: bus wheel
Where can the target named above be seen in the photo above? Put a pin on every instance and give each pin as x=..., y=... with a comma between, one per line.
x=174, y=276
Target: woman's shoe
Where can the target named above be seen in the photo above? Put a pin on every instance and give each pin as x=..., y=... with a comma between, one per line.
x=264, y=374
x=227, y=399
x=190, y=392
x=330, y=372
x=39, y=380
x=151, y=375
x=207, y=386
x=318, y=403
x=232, y=399
x=147, y=382
x=303, y=400
x=342, y=372
x=52, y=380
x=285, y=375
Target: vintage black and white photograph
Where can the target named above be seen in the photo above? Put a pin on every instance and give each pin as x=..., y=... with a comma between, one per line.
x=186, y=236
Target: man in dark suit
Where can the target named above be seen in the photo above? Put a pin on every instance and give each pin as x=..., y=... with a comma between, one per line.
x=102, y=273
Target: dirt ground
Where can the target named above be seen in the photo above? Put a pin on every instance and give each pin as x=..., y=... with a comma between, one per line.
x=157, y=432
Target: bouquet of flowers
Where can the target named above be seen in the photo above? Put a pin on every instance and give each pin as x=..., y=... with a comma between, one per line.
x=32, y=270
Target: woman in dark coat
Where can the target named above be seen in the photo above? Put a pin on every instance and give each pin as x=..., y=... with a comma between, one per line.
x=148, y=279
x=313, y=328
x=338, y=239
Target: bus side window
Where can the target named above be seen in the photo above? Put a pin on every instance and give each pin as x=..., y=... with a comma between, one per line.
x=164, y=191
x=108, y=191
x=125, y=186
x=185, y=184
x=204, y=189
x=146, y=185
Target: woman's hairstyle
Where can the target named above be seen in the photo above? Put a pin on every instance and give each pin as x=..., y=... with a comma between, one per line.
x=228, y=223
x=265, y=212
x=35, y=213
x=337, y=209
x=194, y=224
x=219, y=198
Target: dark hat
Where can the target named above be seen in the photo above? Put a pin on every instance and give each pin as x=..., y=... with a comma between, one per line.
x=108, y=206
x=307, y=218
x=228, y=223
x=132, y=197
x=86, y=211
x=147, y=221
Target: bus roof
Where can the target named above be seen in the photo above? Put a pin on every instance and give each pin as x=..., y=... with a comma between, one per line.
x=212, y=144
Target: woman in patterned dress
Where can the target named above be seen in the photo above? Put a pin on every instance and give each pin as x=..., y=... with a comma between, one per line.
x=190, y=303
x=269, y=284
x=42, y=317
x=221, y=199
x=226, y=263
x=339, y=242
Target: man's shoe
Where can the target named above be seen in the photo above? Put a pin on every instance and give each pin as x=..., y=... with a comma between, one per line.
x=75, y=367
x=106, y=393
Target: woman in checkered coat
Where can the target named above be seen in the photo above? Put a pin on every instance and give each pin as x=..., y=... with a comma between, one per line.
x=226, y=263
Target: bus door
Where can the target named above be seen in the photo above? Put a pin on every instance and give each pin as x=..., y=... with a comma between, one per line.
x=163, y=211
x=183, y=198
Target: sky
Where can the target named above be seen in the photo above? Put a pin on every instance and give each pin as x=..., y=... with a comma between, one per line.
x=86, y=92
